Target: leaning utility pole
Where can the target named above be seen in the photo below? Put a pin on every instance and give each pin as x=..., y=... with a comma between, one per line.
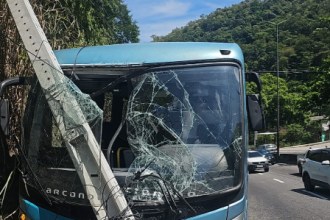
x=90, y=163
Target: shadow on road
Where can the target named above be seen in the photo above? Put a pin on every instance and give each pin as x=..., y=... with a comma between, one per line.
x=285, y=164
x=318, y=193
x=256, y=172
x=296, y=174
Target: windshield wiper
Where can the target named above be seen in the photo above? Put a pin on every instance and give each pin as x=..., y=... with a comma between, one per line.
x=138, y=176
x=172, y=187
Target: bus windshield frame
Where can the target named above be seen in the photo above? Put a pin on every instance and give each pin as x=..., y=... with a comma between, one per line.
x=39, y=156
x=173, y=153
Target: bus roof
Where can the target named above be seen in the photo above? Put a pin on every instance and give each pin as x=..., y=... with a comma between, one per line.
x=139, y=54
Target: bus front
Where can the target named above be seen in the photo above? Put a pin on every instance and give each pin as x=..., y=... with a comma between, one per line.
x=174, y=132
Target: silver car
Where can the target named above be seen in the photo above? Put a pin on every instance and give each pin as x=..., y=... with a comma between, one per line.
x=272, y=148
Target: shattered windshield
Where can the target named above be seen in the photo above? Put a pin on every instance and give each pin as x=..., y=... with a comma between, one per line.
x=184, y=127
x=181, y=136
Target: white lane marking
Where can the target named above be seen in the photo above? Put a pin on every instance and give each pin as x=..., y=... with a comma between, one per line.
x=260, y=173
x=278, y=180
x=314, y=194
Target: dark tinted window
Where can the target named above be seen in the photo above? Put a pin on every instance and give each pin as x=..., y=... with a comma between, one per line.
x=316, y=156
x=254, y=154
x=328, y=155
x=325, y=155
x=263, y=151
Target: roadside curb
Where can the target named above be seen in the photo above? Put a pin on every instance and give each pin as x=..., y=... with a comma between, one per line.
x=307, y=145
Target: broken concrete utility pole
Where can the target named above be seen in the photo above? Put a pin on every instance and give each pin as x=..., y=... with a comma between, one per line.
x=90, y=163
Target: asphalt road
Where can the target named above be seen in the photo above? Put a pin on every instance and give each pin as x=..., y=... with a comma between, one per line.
x=280, y=194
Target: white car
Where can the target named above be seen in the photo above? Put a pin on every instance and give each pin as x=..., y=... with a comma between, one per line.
x=316, y=169
x=256, y=161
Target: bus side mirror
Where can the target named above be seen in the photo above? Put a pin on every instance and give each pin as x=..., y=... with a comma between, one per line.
x=255, y=113
x=4, y=116
x=4, y=103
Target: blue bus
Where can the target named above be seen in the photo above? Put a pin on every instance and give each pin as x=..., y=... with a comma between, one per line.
x=174, y=132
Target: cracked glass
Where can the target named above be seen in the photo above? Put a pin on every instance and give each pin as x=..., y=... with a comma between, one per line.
x=184, y=127
x=48, y=166
x=169, y=133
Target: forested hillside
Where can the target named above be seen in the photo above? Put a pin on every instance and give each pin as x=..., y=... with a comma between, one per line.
x=303, y=37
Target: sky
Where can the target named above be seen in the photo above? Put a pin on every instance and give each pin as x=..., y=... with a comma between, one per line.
x=160, y=17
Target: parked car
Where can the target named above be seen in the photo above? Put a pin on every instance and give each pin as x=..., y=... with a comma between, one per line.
x=269, y=156
x=256, y=161
x=272, y=148
x=301, y=159
x=316, y=169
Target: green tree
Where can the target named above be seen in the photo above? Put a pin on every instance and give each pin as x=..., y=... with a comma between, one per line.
x=86, y=22
x=316, y=91
x=296, y=135
x=291, y=101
